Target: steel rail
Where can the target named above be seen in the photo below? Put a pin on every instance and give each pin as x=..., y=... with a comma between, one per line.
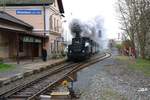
x=38, y=77
x=48, y=80
x=13, y=86
x=75, y=69
x=67, y=70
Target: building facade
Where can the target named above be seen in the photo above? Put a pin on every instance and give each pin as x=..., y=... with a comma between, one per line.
x=44, y=17
x=54, y=27
x=14, y=38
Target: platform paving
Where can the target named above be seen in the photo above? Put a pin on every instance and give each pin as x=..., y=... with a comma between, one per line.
x=25, y=67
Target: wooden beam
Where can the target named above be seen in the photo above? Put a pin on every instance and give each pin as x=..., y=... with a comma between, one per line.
x=17, y=45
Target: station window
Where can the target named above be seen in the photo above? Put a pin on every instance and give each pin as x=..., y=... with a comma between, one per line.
x=57, y=26
x=54, y=24
x=51, y=23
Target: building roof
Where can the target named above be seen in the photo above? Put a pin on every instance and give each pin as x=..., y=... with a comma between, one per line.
x=8, y=17
x=26, y=2
x=60, y=4
x=32, y=3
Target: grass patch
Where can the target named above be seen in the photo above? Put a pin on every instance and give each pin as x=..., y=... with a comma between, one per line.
x=6, y=67
x=142, y=65
x=122, y=58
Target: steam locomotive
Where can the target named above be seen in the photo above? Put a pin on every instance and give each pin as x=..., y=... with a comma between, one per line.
x=82, y=48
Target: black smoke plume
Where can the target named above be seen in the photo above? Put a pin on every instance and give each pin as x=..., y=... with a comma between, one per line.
x=90, y=28
x=94, y=29
x=76, y=28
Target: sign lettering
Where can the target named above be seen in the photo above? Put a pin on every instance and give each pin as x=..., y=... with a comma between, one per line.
x=29, y=12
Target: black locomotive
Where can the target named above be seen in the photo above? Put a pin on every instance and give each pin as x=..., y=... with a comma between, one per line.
x=82, y=48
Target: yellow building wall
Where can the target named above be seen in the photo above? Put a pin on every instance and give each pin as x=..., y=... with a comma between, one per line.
x=37, y=21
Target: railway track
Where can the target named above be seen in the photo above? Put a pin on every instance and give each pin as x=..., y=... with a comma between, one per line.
x=30, y=90
x=11, y=89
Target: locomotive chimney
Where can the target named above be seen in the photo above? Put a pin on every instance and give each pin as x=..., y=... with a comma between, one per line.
x=77, y=33
x=76, y=28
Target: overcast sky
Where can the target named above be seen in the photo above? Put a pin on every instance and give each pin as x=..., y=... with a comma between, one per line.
x=88, y=9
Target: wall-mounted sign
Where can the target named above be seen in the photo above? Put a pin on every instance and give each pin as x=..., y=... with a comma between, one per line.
x=31, y=39
x=37, y=41
x=29, y=12
x=28, y=39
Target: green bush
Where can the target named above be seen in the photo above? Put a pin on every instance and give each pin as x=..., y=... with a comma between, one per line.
x=58, y=55
x=119, y=46
x=63, y=54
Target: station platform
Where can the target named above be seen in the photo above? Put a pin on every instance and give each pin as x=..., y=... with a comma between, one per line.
x=25, y=67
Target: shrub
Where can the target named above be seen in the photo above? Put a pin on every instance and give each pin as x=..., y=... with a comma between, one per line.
x=63, y=54
x=119, y=46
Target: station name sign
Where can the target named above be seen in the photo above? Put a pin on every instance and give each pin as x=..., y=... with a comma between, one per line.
x=31, y=39
x=29, y=12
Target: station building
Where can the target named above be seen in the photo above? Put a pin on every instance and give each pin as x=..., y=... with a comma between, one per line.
x=12, y=31
x=26, y=26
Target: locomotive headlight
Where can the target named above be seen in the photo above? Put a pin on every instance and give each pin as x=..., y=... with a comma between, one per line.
x=70, y=51
x=87, y=44
x=83, y=51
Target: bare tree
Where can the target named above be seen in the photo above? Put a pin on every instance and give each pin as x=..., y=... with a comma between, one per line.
x=135, y=20
x=144, y=24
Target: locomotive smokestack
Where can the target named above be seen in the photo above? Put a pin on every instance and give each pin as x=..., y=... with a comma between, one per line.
x=76, y=28
x=78, y=33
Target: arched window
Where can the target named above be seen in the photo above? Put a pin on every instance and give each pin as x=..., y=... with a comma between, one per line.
x=54, y=24
x=51, y=22
x=57, y=25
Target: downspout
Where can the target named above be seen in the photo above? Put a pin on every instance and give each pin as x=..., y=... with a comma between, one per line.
x=44, y=19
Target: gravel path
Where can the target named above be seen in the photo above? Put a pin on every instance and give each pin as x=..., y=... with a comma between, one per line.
x=112, y=80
